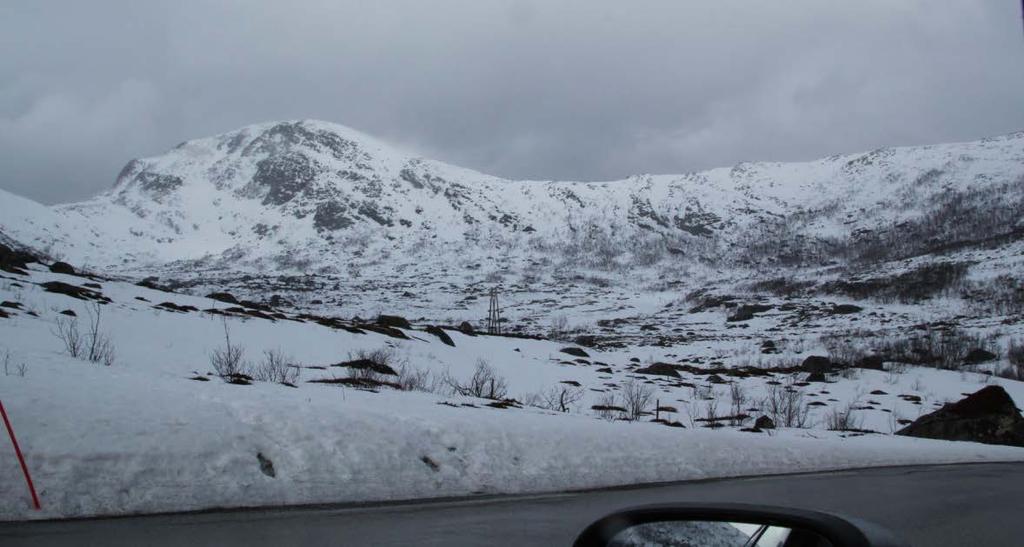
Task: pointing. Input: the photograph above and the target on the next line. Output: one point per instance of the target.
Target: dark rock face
(330, 216)
(659, 369)
(979, 355)
(764, 422)
(62, 268)
(284, 177)
(988, 416)
(817, 363)
(158, 185)
(576, 352)
(394, 321)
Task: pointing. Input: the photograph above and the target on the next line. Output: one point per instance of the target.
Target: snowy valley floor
(143, 435)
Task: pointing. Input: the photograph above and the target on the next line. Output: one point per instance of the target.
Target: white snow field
(142, 436)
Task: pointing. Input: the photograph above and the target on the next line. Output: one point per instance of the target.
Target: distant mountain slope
(311, 196)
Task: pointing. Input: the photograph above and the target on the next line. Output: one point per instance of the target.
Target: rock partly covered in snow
(988, 416)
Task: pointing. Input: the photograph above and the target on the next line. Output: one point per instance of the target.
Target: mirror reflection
(687, 533)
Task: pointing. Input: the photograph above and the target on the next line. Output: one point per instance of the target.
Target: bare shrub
(92, 345)
(945, 349)
(912, 286)
(738, 402)
(66, 329)
(711, 412)
(636, 398)
(277, 367)
(485, 383)
(607, 407)
(785, 405)
(100, 348)
(843, 418)
(227, 361)
(13, 370)
(560, 398)
(1015, 358)
(559, 327)
(411, 378)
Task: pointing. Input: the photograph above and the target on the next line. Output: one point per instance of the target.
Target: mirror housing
(836, 530)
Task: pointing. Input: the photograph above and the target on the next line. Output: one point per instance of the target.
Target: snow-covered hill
(315, 197)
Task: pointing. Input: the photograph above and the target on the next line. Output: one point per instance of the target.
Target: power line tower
(494, 314)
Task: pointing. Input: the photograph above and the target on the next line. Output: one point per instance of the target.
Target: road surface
(958, 505)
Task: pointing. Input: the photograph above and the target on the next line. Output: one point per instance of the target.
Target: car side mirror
(732, 525)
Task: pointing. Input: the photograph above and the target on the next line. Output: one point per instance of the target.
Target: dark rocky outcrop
(845, 309)
(393, 321)
(225, 297)
(74, 291)
(988, 416)
(441, 334)
(368, 364)
(764, 422)
(15, 261)
(467, 328)
(576, 352)
(659, 369)
(816, 377)
(817, 363)
(62, 268)
(746, 312)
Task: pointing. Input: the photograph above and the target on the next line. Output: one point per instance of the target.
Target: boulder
(816, 377)
(467, 328)
(62, 268)
(988, 416)
(764, 422)
(817, 363)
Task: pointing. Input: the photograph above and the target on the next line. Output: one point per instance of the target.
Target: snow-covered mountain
(315, 197)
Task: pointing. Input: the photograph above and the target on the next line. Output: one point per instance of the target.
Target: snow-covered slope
(158, 431)
(315, 197)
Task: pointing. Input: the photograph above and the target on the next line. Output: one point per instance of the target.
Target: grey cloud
(573, 89)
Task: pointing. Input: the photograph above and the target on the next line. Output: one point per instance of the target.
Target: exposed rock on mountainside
(988, 416)
(310, 196)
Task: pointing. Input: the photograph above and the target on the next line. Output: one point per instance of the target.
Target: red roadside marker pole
(21, 459)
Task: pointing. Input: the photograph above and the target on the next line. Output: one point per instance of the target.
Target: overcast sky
(541, 89)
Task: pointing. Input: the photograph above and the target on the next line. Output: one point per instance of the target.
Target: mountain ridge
(307, 195)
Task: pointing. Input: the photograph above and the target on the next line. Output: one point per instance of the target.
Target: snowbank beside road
(103, 447)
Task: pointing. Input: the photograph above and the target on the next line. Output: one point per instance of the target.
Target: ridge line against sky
(522, 89)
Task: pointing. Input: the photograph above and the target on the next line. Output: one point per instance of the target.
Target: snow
(140, 436)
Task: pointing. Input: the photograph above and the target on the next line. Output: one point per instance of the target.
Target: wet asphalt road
(929, 506)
